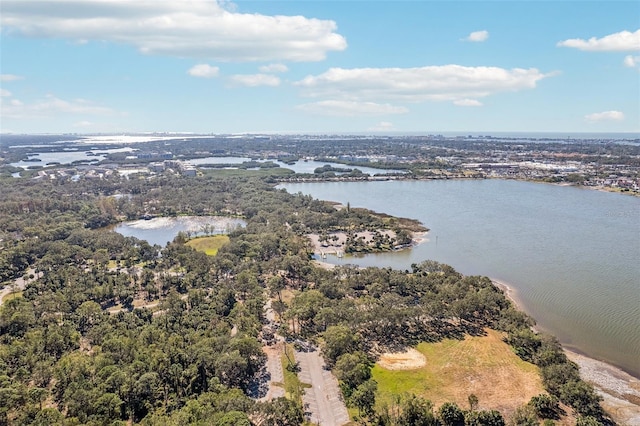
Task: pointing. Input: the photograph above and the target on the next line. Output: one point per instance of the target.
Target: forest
(79, 343)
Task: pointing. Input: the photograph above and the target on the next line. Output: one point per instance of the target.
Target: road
(275, 375)
(19, 284)
(322, 401)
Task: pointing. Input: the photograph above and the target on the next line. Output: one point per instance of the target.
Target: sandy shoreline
(620, 391)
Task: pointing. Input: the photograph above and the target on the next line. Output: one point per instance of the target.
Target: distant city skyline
(389, 67)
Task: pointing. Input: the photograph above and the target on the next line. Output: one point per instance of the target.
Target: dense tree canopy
(111, 329)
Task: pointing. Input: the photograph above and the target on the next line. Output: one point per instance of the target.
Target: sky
(298, 66)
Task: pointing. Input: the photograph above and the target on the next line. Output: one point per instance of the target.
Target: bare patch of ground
(407, 360)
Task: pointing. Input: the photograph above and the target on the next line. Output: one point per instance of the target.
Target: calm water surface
(572, 255)
(311, 165)
(162, 230)
(67, 157)
(298, 166)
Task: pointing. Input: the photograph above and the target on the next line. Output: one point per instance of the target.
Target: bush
(546, 406)
(450, 414)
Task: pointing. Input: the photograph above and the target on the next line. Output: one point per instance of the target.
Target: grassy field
(11, 296)
(209, 245)
(484, 366)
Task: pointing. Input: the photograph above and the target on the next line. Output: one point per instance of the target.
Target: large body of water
(301, 166)
(66, 157)
(572, 255)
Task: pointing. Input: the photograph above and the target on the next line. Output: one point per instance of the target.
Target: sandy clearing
(407, 360)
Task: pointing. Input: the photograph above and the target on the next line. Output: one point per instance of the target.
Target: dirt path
(322, 401)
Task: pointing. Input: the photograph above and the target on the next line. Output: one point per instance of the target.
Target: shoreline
(620, 391)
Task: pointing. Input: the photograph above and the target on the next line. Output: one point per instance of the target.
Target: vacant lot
(209, 245)
(453, 369)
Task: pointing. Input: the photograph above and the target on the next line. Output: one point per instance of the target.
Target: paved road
(323, 402)
(275, 375)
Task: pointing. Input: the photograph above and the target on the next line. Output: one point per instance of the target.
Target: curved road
(18, 285)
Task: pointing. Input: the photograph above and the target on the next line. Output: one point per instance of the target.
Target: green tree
(364, 397)
(484, 418)
(582, 398)
(450, 414)
(416, 411)
(234, 418)
(338, 340)
(546, 406)
(281, 412)
(48, 417)
(587, 421)
(353, 369)
(524, 416)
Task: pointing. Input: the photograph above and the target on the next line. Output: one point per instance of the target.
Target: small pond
(161, 230)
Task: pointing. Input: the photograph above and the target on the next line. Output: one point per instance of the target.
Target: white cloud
(467, 102)
(604, 116)
(382, 127)
(431, 83)
(274, 68)
(255, 80)
(4, 93)
(10, 77)
(341, 108)
(478, 36)
(617, 42)
(204, 71)
(51, 106)
(632, 61)
(205, 29)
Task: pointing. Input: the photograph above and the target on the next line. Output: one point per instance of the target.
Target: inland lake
(570, 255)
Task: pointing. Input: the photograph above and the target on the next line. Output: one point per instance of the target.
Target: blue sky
(116, 66)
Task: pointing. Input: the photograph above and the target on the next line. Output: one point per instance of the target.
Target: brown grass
(454, 369)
